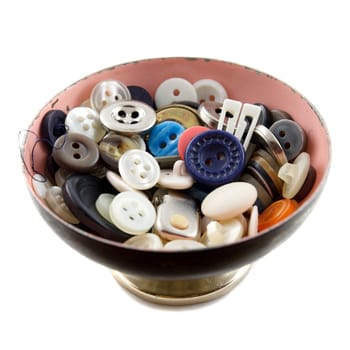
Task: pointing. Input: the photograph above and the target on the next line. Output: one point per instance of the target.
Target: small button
(210, 90)
(177, 218)
(138, 93)
(103, 203)
(182, 114)
(291, 137)
(294, 175)
(85, 121)
(265, 117)
(276, 212)
(209, 113)
(228, 201)
(108, 92)
(253, 221)
(53, 125)
(183, 244)
(75, 152)
(277, 114)
(132, 213)
(55, 201)
(215, 157)
(80, 193)
(265, 138)
(174, 90)
(164, 138)
(177, 178)
(146, 241)
(113, 146)
(307, 186)
(128, 117)
(187, 136)
(139, 169)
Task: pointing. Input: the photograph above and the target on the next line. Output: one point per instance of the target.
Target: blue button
(215, 157)
(52, 126)
(164, 138)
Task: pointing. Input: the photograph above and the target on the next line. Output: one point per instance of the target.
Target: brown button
(182, 114)
(75, 152)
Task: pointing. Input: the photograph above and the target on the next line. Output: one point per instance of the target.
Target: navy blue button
(215, 157)
(52, 126)
(164, 138)
(199, 191)
(80, 193)
(139, 93)
(265, 117)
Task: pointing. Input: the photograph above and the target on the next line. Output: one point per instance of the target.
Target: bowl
(184, 277)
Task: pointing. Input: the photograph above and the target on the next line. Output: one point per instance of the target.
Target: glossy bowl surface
(243, 84)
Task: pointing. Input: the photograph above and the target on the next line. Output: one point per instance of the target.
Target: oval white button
(132, 213)
(228, 201)
(147, 241)
(103, 202)
(183, 244)
(176, 179)
(253, 222)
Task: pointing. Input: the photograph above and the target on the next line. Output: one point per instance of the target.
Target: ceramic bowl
(198, 275)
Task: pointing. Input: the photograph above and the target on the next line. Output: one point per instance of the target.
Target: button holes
(94, 125)
(75, 145)
(162, 144)
(287, 145)
(143, 175)
(141, 214)
(135, 114)
(137, 161)
(107, 93)
(134, 122)
(147, 167)
(220, 156)
(131, 218)
(218, 110)
(211, 98)
(125, 208)
(172, 136)
(90, 116)
(116, 97)
(122, 114)
(228, 115)
(80, 119)
(176, 92)
(86, 127)
(208, 162)
(76, 155)
(282, 133)
(121, 121)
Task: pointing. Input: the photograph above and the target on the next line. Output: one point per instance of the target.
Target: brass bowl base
(182, 292)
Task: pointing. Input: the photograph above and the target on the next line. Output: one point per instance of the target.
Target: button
(187, 136)
(61, 175)
(228, 201)
(174, 90)
(53, 125)
(307, 186)
(182, 114)
(215, 157)
(113, 146)
(128, 117)
(291, 137)
(264, 199)
(103, 203)
(146, 241)
(265, 117)
(41, 185)
(75, 152)
(224, 232)
(267, 156)
(253, 221)
(108, 92)
(276, 212)
(294, 175)
(277, 114)
(199, 191)
(55, 201)
(138, 93)
(265, 138)
(177, 218)
(210, 90)
(164, 138)
(209, 113)
(85, 121)
(80, 193)
(183, 244)
(139, 169)
(177, 178)
(132, 213)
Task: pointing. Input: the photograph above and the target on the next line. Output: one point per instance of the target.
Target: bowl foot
(182, 292)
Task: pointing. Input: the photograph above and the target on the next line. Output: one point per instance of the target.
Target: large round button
(174, 90)
(132, 213)
(164, 138)
(80, 192)
(139, 169)
(107, 92)
(53, 125)
(291, 137)
(210, 90)
(182, 114)
(215, 157)
(75, 152)
(128, 117)
(86, 121)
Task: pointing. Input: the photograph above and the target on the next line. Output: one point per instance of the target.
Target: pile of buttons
(186, 169)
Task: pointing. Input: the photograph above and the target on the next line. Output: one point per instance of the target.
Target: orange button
(276, 212)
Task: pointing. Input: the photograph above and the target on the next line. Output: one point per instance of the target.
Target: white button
(40, 185)
(209, 90)
(183, 244)
(103, 203)
(107, 92)
(139, 169)
(132, 213)
(176, 179)
(174, 90)
(55, 201)
(253, 222)
(224, 232)
(128, 117)
(147, 241)
(139, 141)
(294, 175)
(86, 121)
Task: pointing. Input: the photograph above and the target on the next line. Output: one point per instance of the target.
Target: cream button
(183, 244)
(103, 203)
(228, 201)
(177, 179)
(146, 241)
(253, 222)
(210, 90)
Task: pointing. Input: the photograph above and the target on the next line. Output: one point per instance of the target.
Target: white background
(51, 297)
